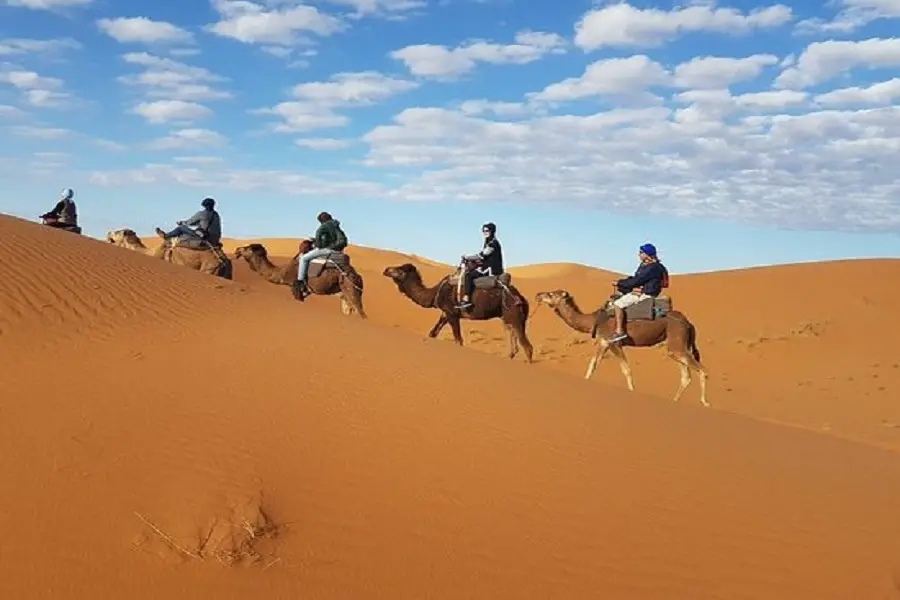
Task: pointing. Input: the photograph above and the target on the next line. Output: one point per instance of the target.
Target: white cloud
(49, 4)
(317, 100)
(714, 72)
(252, 23)
(323, 143)
(164, 78)
(303, 116)
(165, 111)
(37, 90)
(609, 77)
(290, 183)
(500, 109)
(622, 25)
(823, 61)
(188, 138)
(386, 7)
(349, 89)
(40, 132)
(884, 93)
(855, 15)
(773, 100)
(141, 30)
(199, 160)
(428, 60)
(20, 46)
(795, 170)
(11, 112)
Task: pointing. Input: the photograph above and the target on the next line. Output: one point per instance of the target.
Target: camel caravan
(638, 313)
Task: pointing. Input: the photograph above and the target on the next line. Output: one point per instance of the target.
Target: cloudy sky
(729, 134)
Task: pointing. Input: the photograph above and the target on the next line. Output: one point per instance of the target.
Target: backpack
(340, 239)
(664, 282)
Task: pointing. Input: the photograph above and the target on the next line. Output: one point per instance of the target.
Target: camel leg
(519, 329)
(704, 376)
(457, 330)
(352, 297)
(511, 338)
(602, 349)
(687, 362)
(442, 320)
(619, 353)
(346, 309)
(685, 375)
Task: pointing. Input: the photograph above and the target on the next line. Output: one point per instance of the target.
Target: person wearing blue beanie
(648, 282)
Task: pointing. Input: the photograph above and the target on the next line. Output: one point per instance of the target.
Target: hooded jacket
(330, 235)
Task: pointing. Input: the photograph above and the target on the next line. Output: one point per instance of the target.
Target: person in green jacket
(329, 238)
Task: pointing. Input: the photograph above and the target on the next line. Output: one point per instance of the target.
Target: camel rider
(328, 239)
(648, 281)
(490, 261)
(65, 214)
(204, 225)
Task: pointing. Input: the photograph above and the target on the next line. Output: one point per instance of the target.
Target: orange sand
(167, 434)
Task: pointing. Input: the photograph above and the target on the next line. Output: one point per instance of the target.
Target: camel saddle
(486, 282)
(648, 309)
(335, 260)
(197, 243)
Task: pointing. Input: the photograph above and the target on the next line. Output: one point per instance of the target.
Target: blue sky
(729, 134)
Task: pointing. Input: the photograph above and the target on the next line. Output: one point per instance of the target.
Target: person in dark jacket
(328, 239)
(204, 225)
(65, 213)
(647, 282)
(490, 262)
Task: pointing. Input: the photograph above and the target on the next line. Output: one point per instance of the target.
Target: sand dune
(167, 434)
(791, 344)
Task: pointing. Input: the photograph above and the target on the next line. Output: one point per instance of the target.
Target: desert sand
(168, 434)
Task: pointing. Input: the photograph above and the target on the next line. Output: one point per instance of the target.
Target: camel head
(123, 238)
(305, 246)
(246, 252)
(403, 273)
(554, 298)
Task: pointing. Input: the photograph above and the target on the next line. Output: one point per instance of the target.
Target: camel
(507, 304)
(674, 329)
(203, 260)
(329, 276)
(257, 257)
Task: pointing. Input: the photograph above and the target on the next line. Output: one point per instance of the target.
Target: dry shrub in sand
(242, 534)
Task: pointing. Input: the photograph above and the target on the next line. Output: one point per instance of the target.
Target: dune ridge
(288, 451)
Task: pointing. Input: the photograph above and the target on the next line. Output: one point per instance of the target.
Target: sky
(728, 134)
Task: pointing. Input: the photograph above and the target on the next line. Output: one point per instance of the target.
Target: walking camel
(674, 329)
(205, 260)
(257, 257)
(503, 302)
(334, 275)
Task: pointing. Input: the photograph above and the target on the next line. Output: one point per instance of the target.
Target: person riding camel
(328, 239)
(205, 225)
(65, 214)
(489, 261)
(647, 282)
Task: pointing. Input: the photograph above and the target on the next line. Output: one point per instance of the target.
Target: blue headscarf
(649, 250)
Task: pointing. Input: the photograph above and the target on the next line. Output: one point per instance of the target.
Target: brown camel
(257, 257)
(203, 260)
(674, 329)
(507, 304)
(333, 275)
